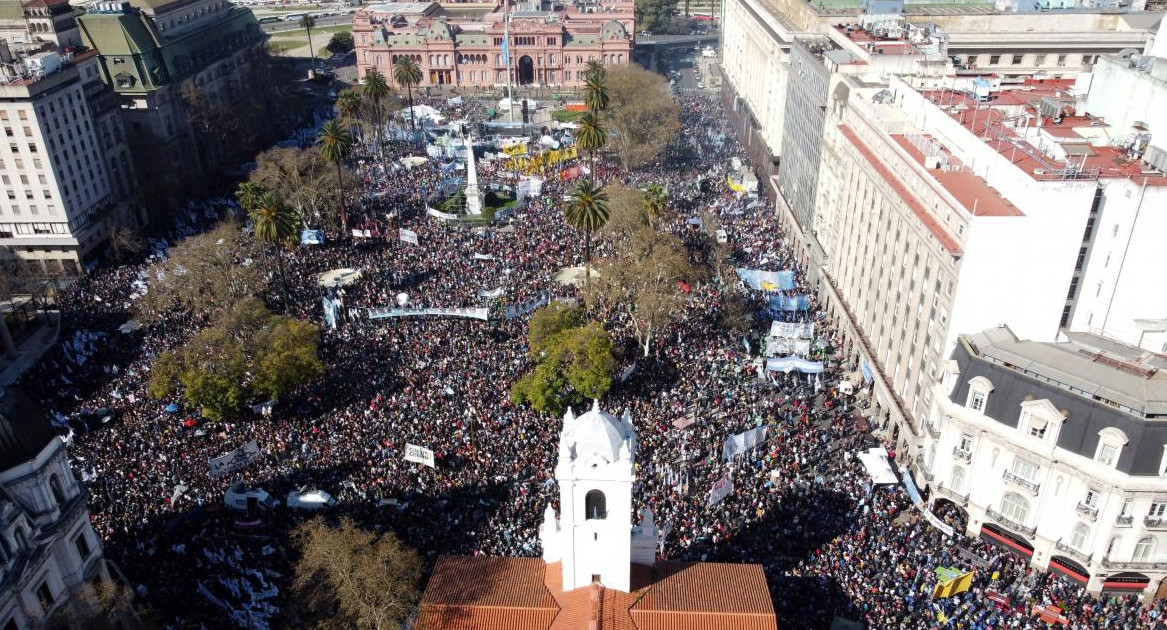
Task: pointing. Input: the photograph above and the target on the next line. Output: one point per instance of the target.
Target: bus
(294, 17)
(269, 19)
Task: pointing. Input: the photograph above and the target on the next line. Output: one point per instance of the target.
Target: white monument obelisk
(473, 195)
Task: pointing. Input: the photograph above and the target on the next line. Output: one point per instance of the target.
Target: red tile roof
(949, 243)
(490, 593)
(979, 198)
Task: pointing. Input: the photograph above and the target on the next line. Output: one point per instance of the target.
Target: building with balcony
(191, 82)
(1057, 451)
(550, 41)
(64, 165)
(47, 546)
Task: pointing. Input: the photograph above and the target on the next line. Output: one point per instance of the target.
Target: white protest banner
(474, 313)
(627, 373)
(743, 442)
(792, 330)
(419, 454)
(720, 490)
(407, 236)
(235, 460)
(493, 293)
(483, 256)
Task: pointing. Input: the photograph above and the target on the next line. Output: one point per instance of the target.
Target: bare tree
(305, 181)
(351, 578)
(125, 243)
(641, 114)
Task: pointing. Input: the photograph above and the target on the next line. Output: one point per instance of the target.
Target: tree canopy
(573, 360)
(341, 42)
(641, 114)
(350, 578)
(305, 181)
(205, 274)
(652, 15)
(248, 353)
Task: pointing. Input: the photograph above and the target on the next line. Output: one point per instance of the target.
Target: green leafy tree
(336, 144)
(407, 74)
(573, 360)
(587, 211)
(591, 136)
(376, 91)
(653, 15)
(341, 43)
(275, 224)
(347, 578)
(308, 23)
(655, 200)
(249, 195)
(594, 70)
(247, 352)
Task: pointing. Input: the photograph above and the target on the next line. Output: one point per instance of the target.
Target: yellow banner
(541, 162)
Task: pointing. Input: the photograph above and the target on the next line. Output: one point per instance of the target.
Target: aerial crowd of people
(831, 543)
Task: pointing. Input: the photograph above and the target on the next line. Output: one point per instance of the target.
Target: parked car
(244, 499)
(308, 498)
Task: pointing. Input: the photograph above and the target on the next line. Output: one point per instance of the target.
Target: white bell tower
(593, 536)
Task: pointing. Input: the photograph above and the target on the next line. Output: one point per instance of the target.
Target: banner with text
(407, 236)
(720, 490)
(419, 454)
(474, 313)
(237, 459)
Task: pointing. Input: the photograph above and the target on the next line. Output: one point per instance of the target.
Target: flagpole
(506, 53)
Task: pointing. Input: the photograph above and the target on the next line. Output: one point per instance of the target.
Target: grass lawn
(282, 46)
(562, 115)
(322, 31)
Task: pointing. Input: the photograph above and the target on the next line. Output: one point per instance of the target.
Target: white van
(238, 497)
(308, 498)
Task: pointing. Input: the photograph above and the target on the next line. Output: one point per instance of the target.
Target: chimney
(594, 607)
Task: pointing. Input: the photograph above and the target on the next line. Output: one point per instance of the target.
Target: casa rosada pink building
(462, 44)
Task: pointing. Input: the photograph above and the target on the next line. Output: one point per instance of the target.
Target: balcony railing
(1134, 566)
(1155, 522)
(954, 496)
(1089, 511)
(1124, 521)
(1022, 482)
(933, 431)
(962, 455)
(1010, 523)
(1073, 553)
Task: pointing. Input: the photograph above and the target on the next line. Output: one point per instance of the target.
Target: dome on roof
(597, 434)
(613, 30)
(25, 429)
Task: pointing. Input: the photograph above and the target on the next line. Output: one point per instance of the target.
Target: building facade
(1057, 452)
(550, 43)
(65, 167)
(191, 82)
(47, 545)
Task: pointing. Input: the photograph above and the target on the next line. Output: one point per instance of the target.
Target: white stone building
(593, 535)
(47, 546)
(1057, 452)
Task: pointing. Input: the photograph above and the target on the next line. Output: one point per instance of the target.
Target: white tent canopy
(875, 461)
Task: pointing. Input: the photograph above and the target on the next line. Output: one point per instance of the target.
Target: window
(55, 488)
(1158, 510)
(1025, 469)
(83, 548)
(1091, 498)
(21, 539)
(977, 401)
(1038, 431)
(1078, 536)
(994, 60)
(1039, 60)
(1144, 549)
(956, 482)
(1110, 443)
(45, 595)
(594, 506)
(1015, 508)
(966, 443)
(1017, 59)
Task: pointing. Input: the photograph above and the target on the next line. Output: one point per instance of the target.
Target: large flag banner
(759, 280)
(952, 582)
(720, 490)
(408, 236)
(792, 330)
(235, 460)
(743, 442)
(419, 454)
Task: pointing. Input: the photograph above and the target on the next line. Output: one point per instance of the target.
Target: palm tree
(248, 195)
(336, 143)
(587, 211)
(595, 93)
(376, 89)
(591, 137)
(349, 107)
(407, 73)
(654, 201)
(307, 22)
(595, 70)
(275, 224)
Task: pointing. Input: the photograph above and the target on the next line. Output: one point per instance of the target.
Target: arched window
(978, 393)
(957, 481)
(21, 539)
(1015, 508)
(1078, 536)
(1110, 443)
(595, 505)
(55, 488)
(1144, 549)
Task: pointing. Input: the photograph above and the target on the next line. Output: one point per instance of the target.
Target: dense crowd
(801, 505)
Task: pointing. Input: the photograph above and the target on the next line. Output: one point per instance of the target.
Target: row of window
(1039, 61)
